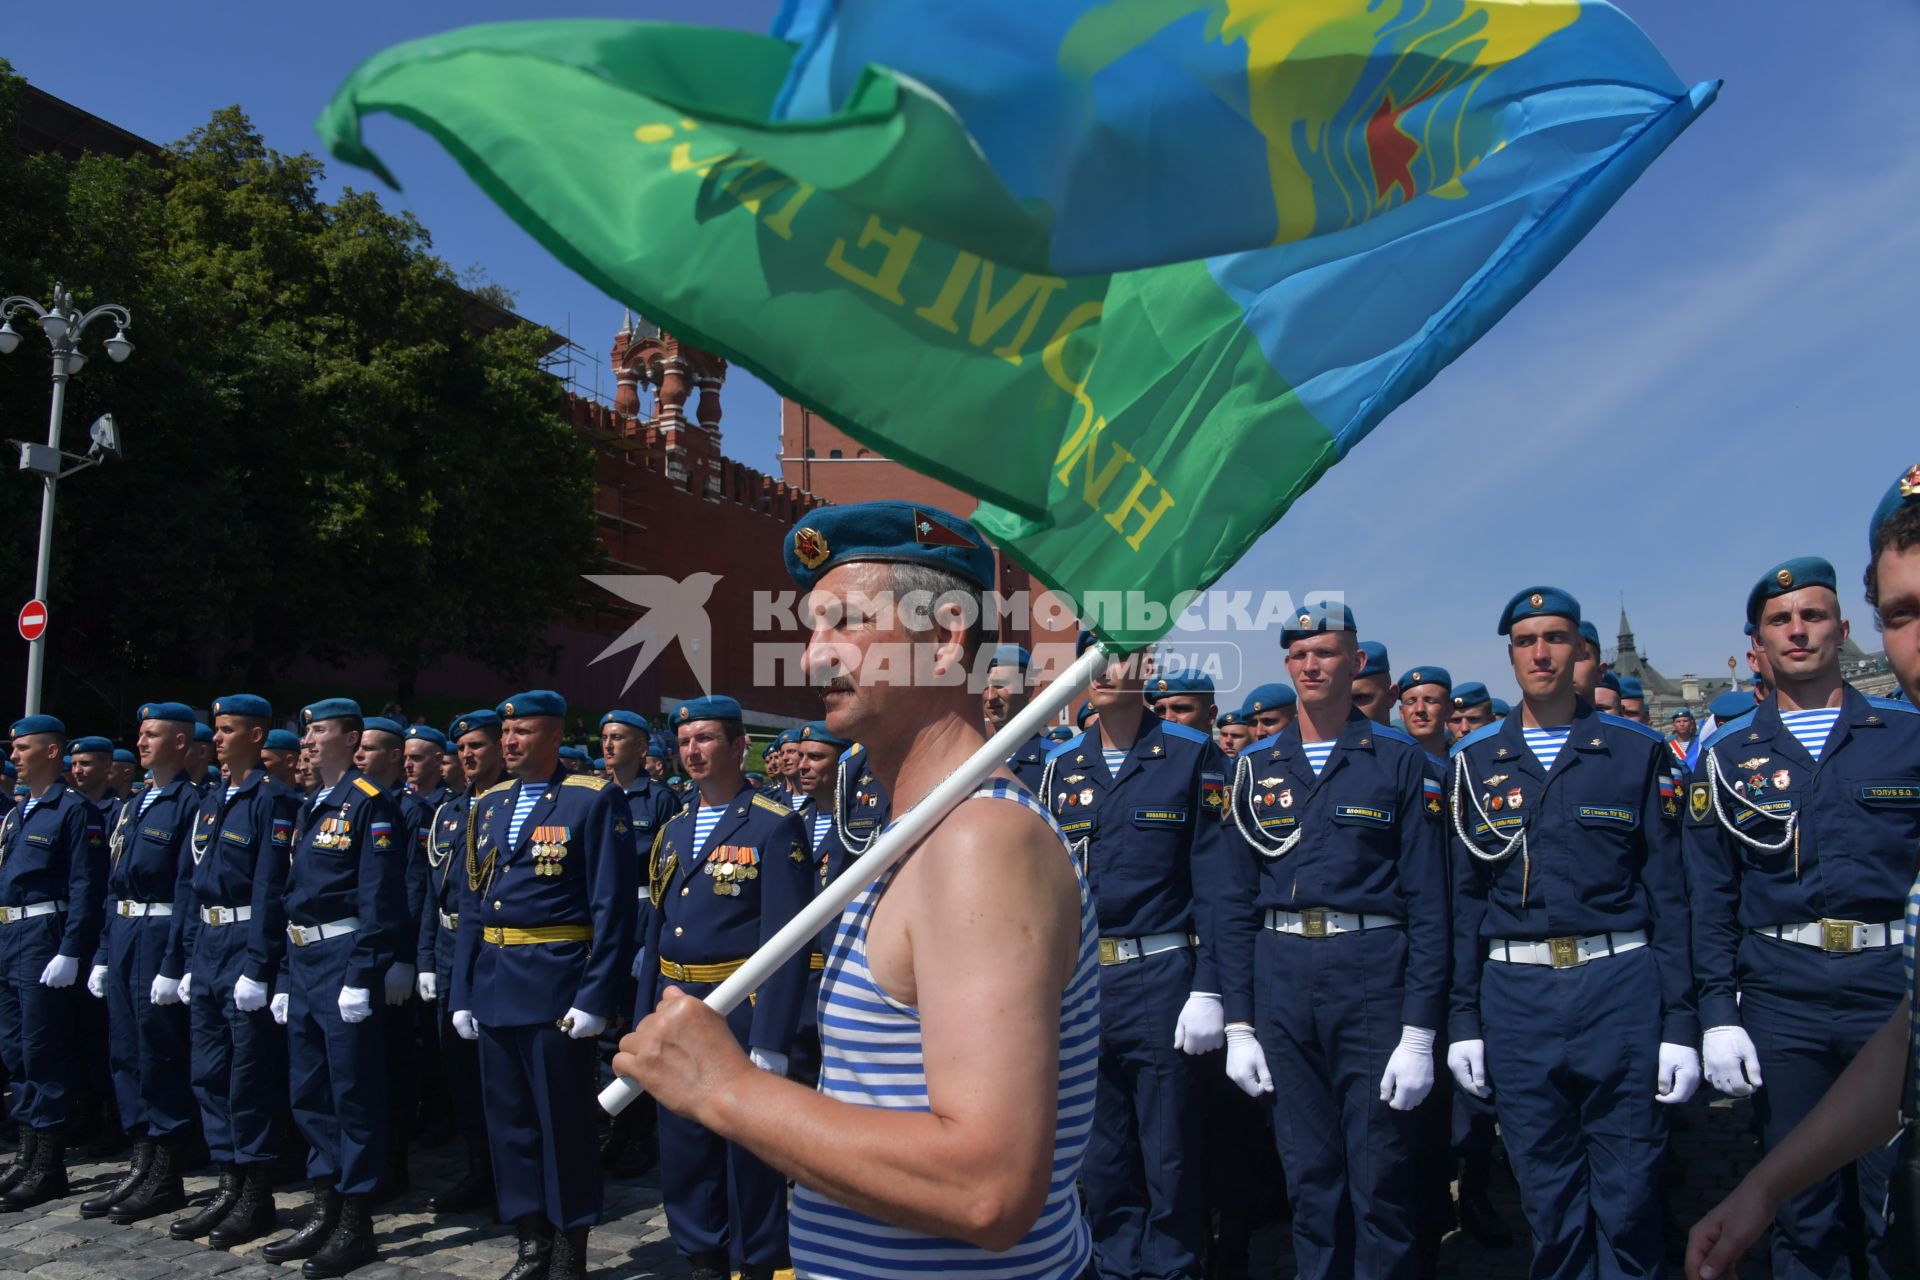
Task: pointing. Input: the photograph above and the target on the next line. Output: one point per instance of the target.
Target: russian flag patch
(283, 830)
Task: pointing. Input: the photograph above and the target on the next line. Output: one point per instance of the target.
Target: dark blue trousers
(148, 1045)
(336, 1070)
(1327, 1011)
(460, 1065)
(1573, 1055)
(720, 1198)
(37, 1024)
(538, 1094)
(239, 1059)
(1809, 1012)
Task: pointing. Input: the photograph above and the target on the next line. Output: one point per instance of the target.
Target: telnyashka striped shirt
(1812, 728)
(1318, 753)
(1546, 743)
(870, 1053)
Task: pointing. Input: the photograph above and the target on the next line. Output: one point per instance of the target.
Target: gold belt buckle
(299, 935)
(125, 908)
(7, 915)
(1109, 951)
(1313, 922)
(1565, 952)
(1840, 935)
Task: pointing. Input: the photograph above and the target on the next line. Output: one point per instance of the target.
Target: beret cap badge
(809, 548)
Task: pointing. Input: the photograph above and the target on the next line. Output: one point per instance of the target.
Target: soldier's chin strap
(1254, 835)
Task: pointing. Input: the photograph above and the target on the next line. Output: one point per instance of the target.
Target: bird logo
(672, 609)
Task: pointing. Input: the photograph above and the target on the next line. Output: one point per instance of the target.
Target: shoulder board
(1186, 731)
(1392, 734)
(1066, 746)
(1621, 722)
(497, 788)
(683, 811)
(771, 806)
(1484, 732)
(1893, 704)
(591, 781)
(366, 786)
(1732, 726)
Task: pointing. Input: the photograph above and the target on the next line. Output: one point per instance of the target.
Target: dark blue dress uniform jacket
(239, 853)
(147, 855)
(58, 853)
(362, 876)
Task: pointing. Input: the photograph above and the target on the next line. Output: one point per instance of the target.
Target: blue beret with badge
(817, 731)
(1269, 697)
(1011, 655)
(383, 724)
(786, 737)
(534, 702)
(1377, 664)
(1085, 714)
(178, 711)
(1731, 705)
(889, 532)
(239, 704)
(1414, 677)
(1903, 492)
(281, 740)
(1315, 619)
(1539, 602)
(1060, 733)
(1500, 708)
(1788, 575)
(426, 733)
(91, 743)
(712, 707)
(1229, 718)
(631, 719)
(1681, 713)
(466, 724)
(123, 756)
(1470, 694)
(202, 731)
(1591, 634)
(1630, 687)
(329, 709)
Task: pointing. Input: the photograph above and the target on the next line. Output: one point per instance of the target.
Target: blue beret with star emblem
(38, 724)
(329, 709)
(889, 532)
(383, 724)
(1788, 575)
(714, 706)
(177, 711)
(630, 719)
(91, 743)
(534, 702)
(1314, 619)
(1903, 492)
(1470, 694)
(817, 731)
(1226, 718)
(239, 704)
(281, 740)
(1085, 713)
(426, 733)
(1269, 697)
(1060, 733)
(466, 724)
(1414, 677)
(1377, 664)
(1194, 682)
(1539, 602)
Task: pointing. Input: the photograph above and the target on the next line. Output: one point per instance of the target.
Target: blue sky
(1717, 379)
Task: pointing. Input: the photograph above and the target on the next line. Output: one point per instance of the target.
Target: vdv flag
(1135, 274)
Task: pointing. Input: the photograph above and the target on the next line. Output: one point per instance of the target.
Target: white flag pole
(907, 830)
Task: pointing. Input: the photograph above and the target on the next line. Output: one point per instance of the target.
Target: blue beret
(1377, 664)
(1681, 711)
(891, 532)
(381, 724)
(786, 737)
(534, 702)
(281, 740)
(66, 762)
(1269, 697)
(239, 704)
(1417, 676)
(1904, 491)
(713, 707)
(39, 724)
(1471, 694)
(600, 762)
(1630, 688)
(656, 750)
(202, 731)
(817, 731)
(1500, 708)
(166, 711)
(1082, 642)
(1610, 681)
(1085, 713)
(1011, 655)
(1732, 704)
(1313, 620)
(466, 724)
(1539, 602)
(1060, 733)
(630, 719)
(91, 743)
(1788, 575)
(1591, 632)
(1226, 718)
(123, 756)
(1195, 682)
(574, 753)
(426, 733)
(329, 709)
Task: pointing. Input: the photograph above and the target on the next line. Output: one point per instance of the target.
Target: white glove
(464, 1025)
(249, 996)
(1733, 1065)
(1679, 1074)
(186, 987)
(583, 1026)
(164, 990)
(768, 1061)
(356, 1004)
(97, 982)
(281, 1002)
(1202, 1025)
(1409, 1075)
(1467, 1060)
(399, 982)
(61, 971)
(428, 985)
(1246, 1062)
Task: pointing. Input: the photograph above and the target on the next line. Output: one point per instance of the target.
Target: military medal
(1286, 798)
(1781, 780)
(1514, 798)
(1499, 803)
(1086, 796)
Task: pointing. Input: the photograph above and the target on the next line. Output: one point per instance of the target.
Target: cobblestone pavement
(55, 1243)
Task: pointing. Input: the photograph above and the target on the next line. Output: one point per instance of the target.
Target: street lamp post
(62, 323)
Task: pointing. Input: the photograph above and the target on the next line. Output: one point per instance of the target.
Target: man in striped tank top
(959, 1008)
(1802, 820)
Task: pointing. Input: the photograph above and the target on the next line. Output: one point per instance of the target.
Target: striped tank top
(871, 1056)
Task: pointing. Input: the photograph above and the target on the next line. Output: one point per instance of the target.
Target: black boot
(569, 1255)
(710, 1266)
(160, 1192)
(1478, 1216)
(22, 1160)
(46, 1180)
(252, 1215)
(350, 1247)
(313, 1233)
(474, 1191)
(99, 1206)
(535, 1249)
(192, 1228)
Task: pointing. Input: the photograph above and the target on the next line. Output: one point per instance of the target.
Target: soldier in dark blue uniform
(1003, 698)
(1141, 800)
(89, 771)
(1589, 667)
(425, 759)
(1633, 700)
(540, 950)
(1893, 578)
(1572, 994)
(816, 766)
(142, 951)
(775, 764)
(1270, 708)
(232, 924)
(476, 735)
(203, 772)
(1373, 689)
(1802, 820)
(1472, 709)
(53, 856)
(120, 777)
(347, 922)
(1335, 939)
(279, 756)
(724, 876)
(861, 809)
(1186, 699)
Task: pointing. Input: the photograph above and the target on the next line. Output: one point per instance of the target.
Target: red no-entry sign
(33, 620)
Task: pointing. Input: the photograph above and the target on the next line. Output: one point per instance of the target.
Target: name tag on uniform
(155, 833)
(34, 837)
(1161, 817)
(1085, 824)
(1606, 813)
(237, 837)
(1890, 792)
(1279, 822)
(1363, 813)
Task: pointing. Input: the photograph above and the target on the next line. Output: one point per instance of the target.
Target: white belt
(305, 935)
(135, 909)
(1839, 935)
(225, 915)
(1566, 953)
(1121, 950)
(1319, 922)
(13, 915)
(450, 921)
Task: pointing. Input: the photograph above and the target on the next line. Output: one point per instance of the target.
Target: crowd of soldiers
(1376, 915)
